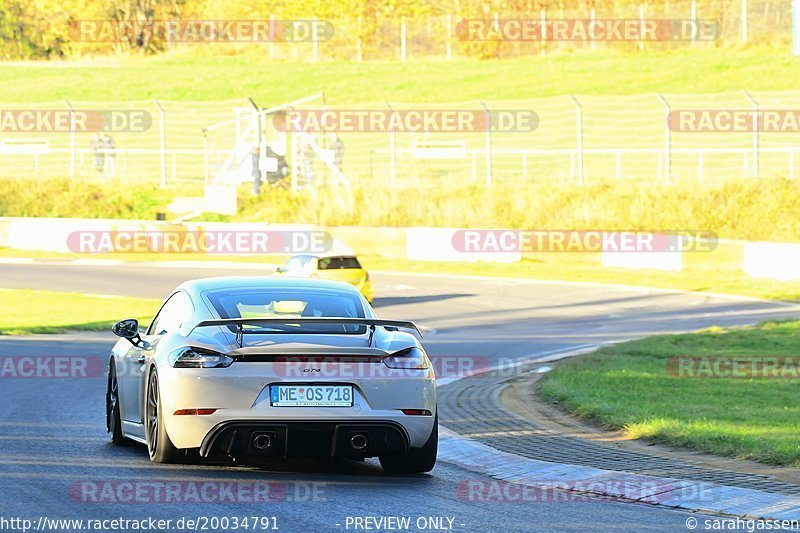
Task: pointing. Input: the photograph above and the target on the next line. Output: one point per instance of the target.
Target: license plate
(311, 395)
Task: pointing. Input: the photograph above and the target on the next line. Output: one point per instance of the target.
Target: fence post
(206, 170)
(73, 141)
(488, 146)
(162, 121)
(756, 163)
(403, 39)
(543, 22)
(667, 138)
(449, 36)
(579, 144)
(296, 157)
(272, 37)
(641, 25)
(796, 26)
(315, 41)
(261, 120)
(693, 16)
(744, 21)
(392, 150)
(359, 41)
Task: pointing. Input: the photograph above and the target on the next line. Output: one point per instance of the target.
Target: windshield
(260, 303)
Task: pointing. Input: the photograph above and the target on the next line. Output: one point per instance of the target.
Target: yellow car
(344, 268)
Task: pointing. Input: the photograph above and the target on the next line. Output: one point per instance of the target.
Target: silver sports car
(249, 368)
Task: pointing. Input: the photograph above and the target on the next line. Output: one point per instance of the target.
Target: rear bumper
(310, 438)
(240, 394)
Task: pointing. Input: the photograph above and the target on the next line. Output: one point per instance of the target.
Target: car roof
(198, 286)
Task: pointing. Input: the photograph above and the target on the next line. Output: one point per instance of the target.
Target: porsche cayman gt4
(255, 368)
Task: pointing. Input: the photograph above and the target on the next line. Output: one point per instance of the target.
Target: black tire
(415, 460)
(159, 446)
(113, 417)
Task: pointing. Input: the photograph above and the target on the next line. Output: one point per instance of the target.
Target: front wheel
(415, 460)
(159, 446)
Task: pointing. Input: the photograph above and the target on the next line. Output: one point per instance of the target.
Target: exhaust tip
(358, 441)
(262, 441)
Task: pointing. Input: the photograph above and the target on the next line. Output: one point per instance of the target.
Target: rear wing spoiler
(241, 322)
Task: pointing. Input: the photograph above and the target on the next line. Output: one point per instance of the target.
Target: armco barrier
(772, 260)
(51, 234)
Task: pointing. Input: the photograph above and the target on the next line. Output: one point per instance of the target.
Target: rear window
(336, 263)
(260, 303)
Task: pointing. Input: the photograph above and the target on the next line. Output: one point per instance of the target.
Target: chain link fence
(578, 139)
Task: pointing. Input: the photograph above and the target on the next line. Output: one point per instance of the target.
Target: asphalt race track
(57, 460)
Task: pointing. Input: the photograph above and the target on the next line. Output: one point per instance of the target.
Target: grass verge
(36, 311)
(748, 209)
(195, 76)
(628, 387)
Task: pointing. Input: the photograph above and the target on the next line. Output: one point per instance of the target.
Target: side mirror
(128, 329)
(280, 270)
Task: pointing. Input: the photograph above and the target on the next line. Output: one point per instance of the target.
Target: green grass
(765, 209)
(36, 311)
(627, 386)
(205, 76)
(62, 198)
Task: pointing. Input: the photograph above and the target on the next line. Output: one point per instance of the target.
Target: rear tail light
(409, 359)
(416, 412)
(184, 412)
(199, 358)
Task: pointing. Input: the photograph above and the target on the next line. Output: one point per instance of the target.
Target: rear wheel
(113, 417)
(415, 460)
(159, 446)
